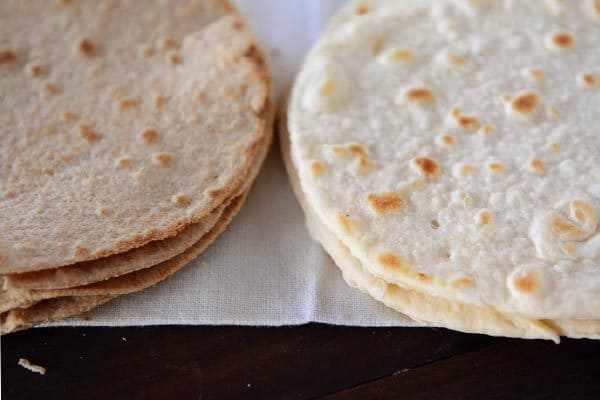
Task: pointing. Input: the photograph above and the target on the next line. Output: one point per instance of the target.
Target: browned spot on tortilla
(7, 57)
(525, 103)
(426, 166)
(564, 226)
(581, 211)
(174, 58)
(466, 169)
(537, 165)
(149, 135)
(536, 74)
(554, 146)
(423, 277)
(385, 202)
(390, 260)
(162, 159)
(563, 40)
(69, 116)
(181, 199)
(526, 284)
(36, 70)
(447, 140)
(589, 79)
(486, 128)
(456, 60)
(495, 167)
(316, 167)
(216, 192)
(401, 54)
(362, 9)
(50, 88)
(466, 122)
(460, 282)
(357, 150)
(345, 221)
(168, 43)
(421, 95)
(484, 218)
(88, 133)
(87, 47)
(128, 103)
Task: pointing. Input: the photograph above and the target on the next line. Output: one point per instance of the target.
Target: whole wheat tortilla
(421, 307)
(48, 311)
(460, 159)
(146, 272)
(135, 281)
(132, 282)
(112, 266)
(53, 305)
(137, 117)
(84, 273)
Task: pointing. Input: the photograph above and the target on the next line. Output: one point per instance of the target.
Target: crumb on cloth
(25, 363)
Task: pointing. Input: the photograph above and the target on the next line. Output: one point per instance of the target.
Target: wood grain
(312, 361)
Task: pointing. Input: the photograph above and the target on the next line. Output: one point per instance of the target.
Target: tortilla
(418, 306)
(133, 260)
(460, 159)
(47, 311)
(112, 266)
(132, 282)
(137, 117)
(426, 309)
(24, 308)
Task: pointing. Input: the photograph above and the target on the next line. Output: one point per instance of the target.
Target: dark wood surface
(313, 361)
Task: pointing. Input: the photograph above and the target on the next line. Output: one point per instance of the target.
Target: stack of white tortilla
(130, 134)
(447, 156)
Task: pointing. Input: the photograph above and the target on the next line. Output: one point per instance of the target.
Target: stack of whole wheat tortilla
(130, 134)
(447, 156)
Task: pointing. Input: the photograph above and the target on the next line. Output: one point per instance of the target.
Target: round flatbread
(417, 305)
(146, 274)
(451, 147)
(126, 122)
(12, 300)
(155, 252)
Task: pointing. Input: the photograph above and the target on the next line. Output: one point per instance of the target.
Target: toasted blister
(559, 42)
(565, 235)
(396, 56)
(499, 149)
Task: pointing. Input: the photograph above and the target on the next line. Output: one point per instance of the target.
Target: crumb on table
(25, 363)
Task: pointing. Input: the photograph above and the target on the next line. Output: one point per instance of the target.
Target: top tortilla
(452, 148)
(126, 122)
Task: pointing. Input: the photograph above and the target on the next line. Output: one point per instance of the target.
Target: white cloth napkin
(264, 269)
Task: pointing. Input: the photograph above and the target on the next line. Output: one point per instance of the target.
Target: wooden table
(307, 362)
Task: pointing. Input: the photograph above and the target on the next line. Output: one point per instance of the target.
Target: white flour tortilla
(418, 144)
(419, 306)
